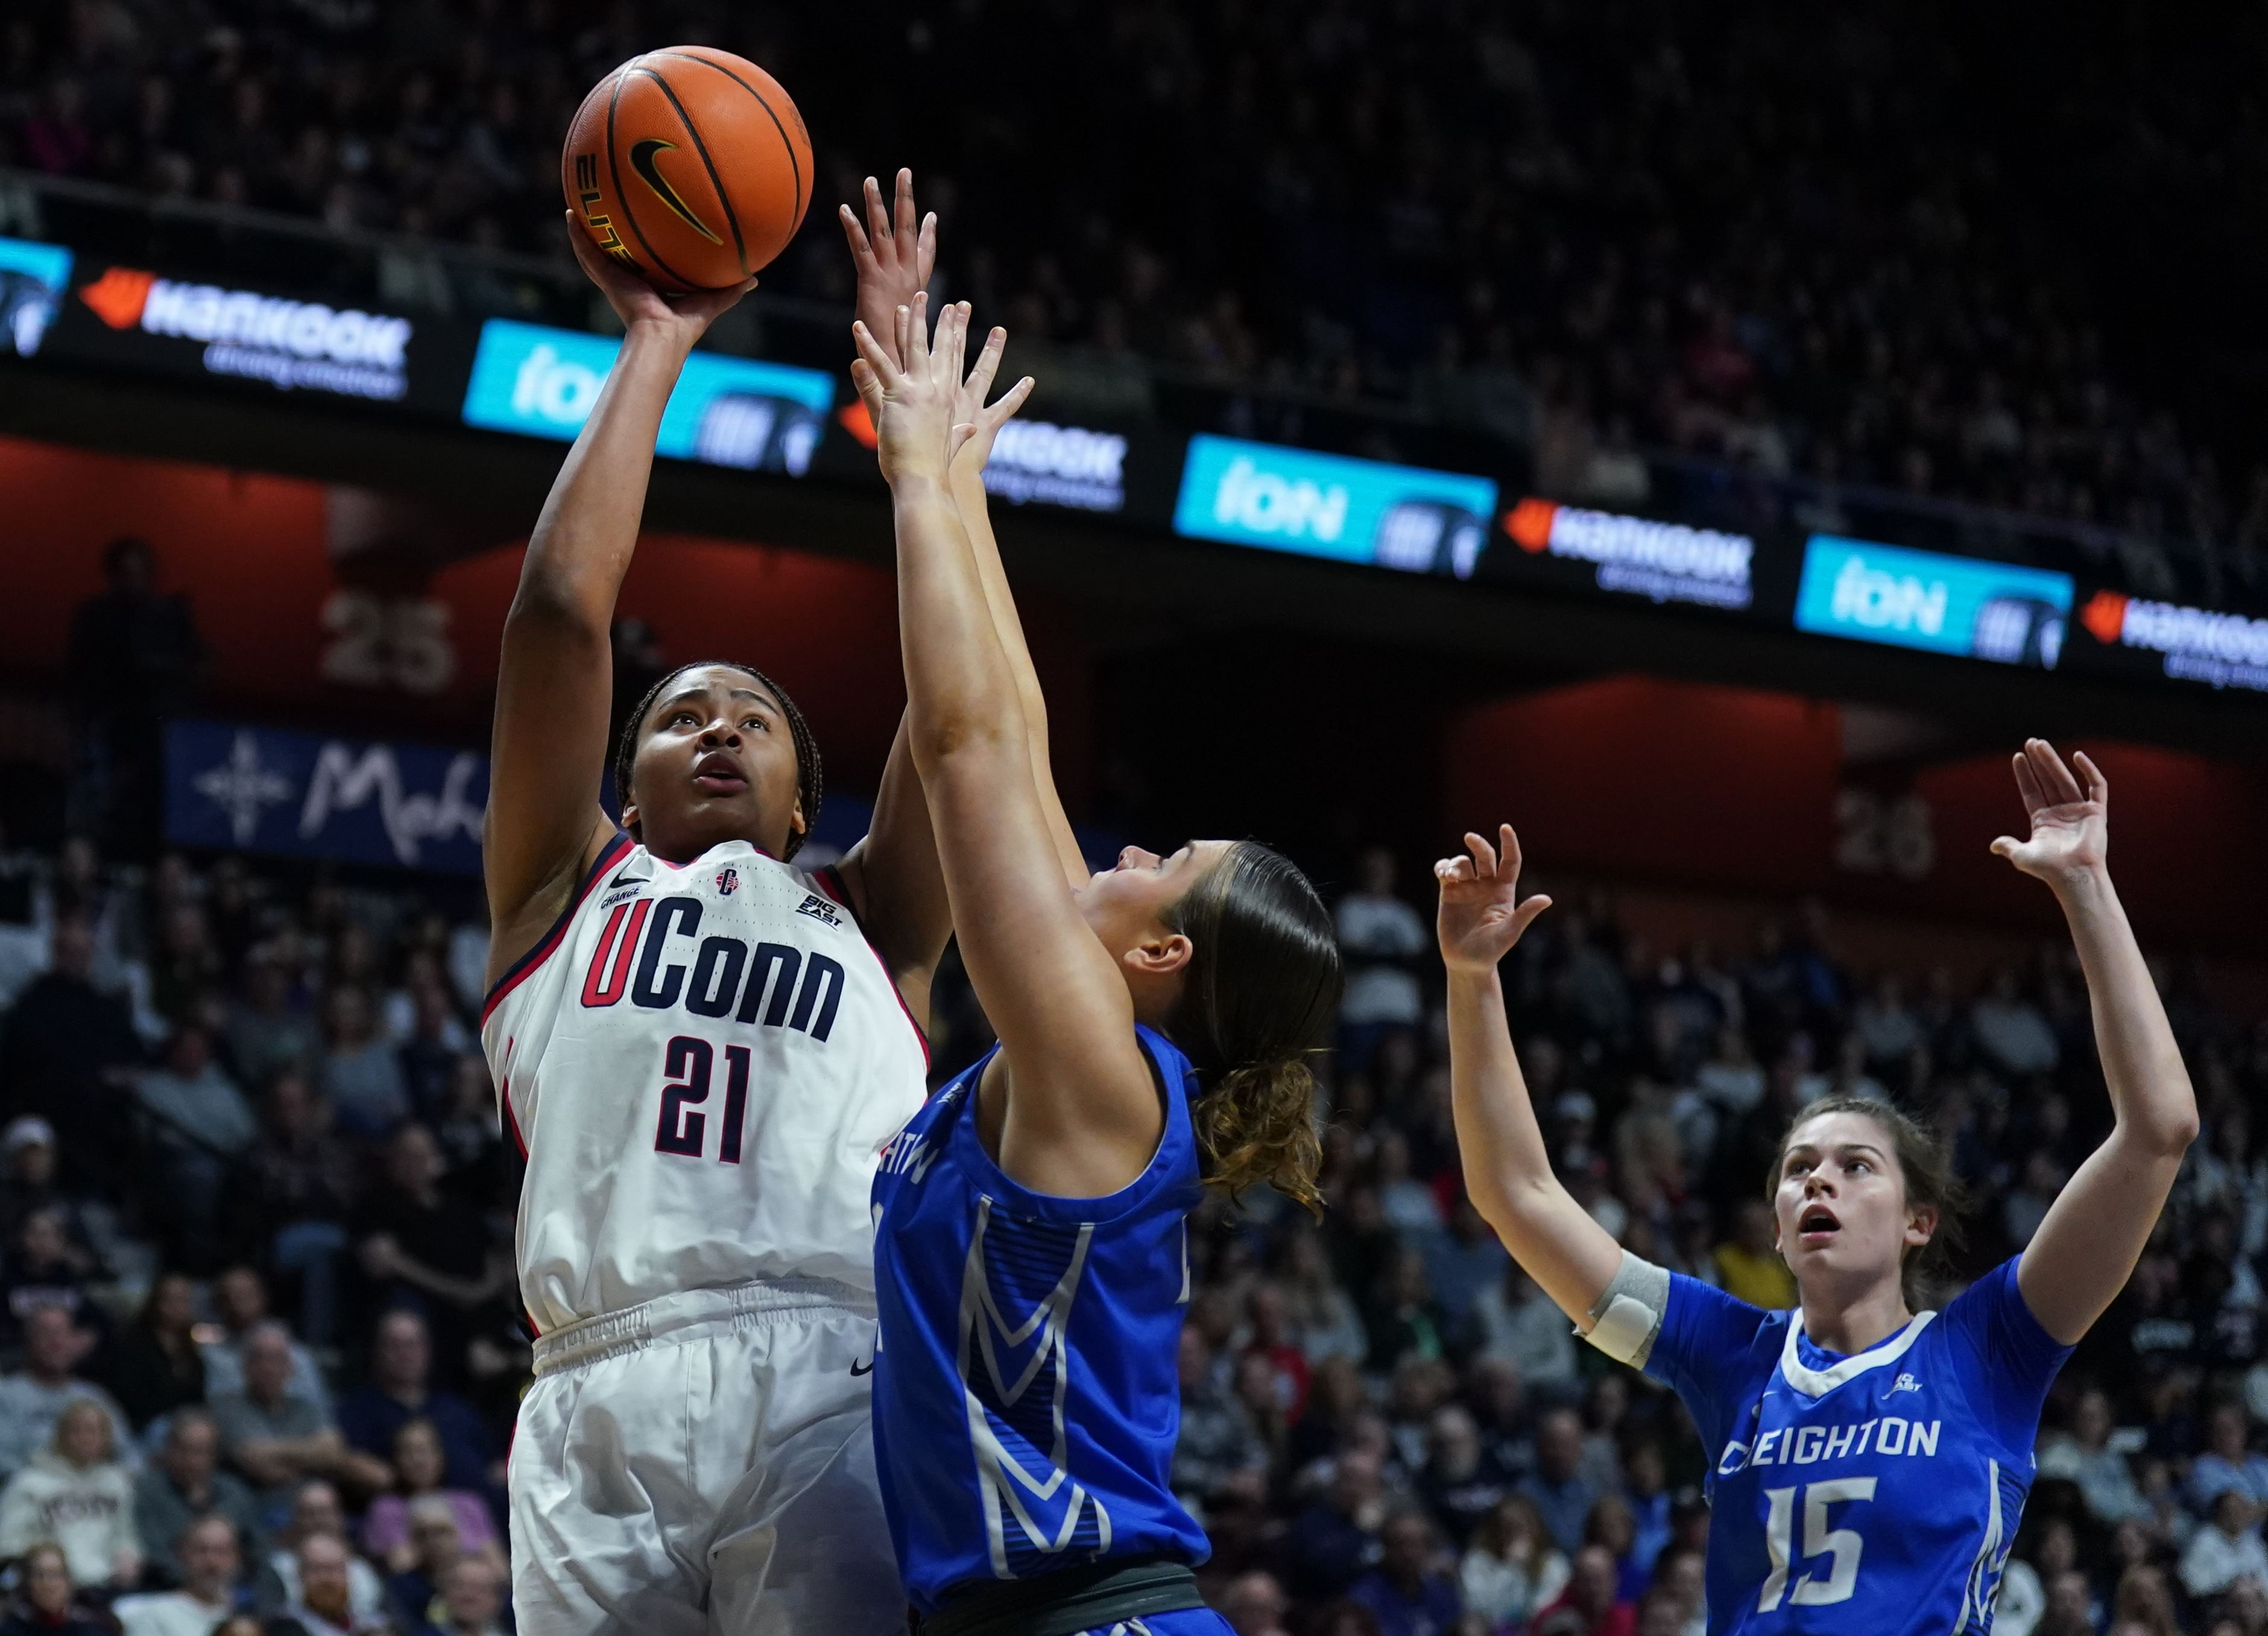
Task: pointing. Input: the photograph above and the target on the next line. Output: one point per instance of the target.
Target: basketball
(690, 165)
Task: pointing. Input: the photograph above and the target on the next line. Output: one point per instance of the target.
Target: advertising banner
(2132, 635)
(1333, 505)
(1966, 606)
(33, 277)
(542, 382)
(305, 795)
(1547, 542)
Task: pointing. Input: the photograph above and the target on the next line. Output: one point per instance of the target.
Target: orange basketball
(690, 165)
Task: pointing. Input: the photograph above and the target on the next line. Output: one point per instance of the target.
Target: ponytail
(1262, 987)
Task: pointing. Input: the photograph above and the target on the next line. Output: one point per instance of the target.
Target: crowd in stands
(1583, 229)
(261, 1353)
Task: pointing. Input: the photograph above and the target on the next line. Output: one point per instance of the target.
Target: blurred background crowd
(260, 1342)
(1858, 247)
(264, 1349)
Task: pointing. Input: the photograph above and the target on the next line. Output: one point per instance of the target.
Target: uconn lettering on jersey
(652, 954)
(1808, 1445)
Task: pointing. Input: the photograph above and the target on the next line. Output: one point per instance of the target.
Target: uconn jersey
(1878, 1491)
(1027, 1392)
(701, 1064)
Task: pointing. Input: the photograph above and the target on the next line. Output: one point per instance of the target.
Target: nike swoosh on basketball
(642, 158)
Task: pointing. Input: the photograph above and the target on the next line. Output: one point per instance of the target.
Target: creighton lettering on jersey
(1896, 1474)
(701, 1064)
(1040, 1337)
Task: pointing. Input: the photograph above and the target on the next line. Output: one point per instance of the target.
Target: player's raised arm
(894, 250)
(1084, 1115)
(554, 686)
(1508, 1169)
(2085, 1249)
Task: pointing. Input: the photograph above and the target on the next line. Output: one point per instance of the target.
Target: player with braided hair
(701, 1048)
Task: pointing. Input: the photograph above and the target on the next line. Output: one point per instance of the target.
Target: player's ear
(1921, 1224)
(630, 816)
(795, 819)
(1160, 954)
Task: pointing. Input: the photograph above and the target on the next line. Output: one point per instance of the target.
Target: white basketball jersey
(701, 1065)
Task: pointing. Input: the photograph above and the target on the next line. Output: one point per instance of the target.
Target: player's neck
(1847, 1321)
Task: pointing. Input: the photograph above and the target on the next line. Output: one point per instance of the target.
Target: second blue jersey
(1878, 1491)
(1026, 1389)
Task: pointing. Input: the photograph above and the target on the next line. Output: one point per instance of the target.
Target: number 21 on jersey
(1841, 1578)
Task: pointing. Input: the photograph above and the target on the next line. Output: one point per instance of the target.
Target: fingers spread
(988, 361)
(1483, 855)
(861, 252)
(871, 354)
(1508, 849)
(904, 225)
(2098, 787)
(925, 248)
(878, 217)
(1450, 869)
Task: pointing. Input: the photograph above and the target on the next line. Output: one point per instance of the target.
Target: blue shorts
(1187, 1622)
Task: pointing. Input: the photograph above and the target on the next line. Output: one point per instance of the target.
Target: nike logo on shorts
(866, 1367)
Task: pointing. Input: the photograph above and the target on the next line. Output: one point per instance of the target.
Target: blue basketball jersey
(1026, 1385)
(1878, 1491)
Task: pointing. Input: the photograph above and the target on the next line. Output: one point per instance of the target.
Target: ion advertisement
(1333, 505)
(542, 382)
(1960, 605)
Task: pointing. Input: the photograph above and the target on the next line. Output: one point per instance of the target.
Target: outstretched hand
(913, 406)
(893, 257)
(683, 318)
(2071, 816)
(1481, 915)
(984, 420)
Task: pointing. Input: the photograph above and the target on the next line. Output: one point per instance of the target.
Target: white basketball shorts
(704, 1463)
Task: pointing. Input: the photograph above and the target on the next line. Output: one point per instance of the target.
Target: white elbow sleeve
(1628, 1313)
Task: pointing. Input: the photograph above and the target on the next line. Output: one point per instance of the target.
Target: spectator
(1404, 1320)
(2228, 1551)
(2227, 1462)
(211, 1584)
(1749, 1265)
(28, 1164)
(1460, 1483)
(185, 1484)
(1323, 1316)
(32, 1398)
(359, 1070)
(1464, 1263)
(1591, 1605)
(154, 1365)
(1335, 1540)
(1517, 1321)
(240, 1301)
(400, 1391)
(134, 654)
(1219, 1444)
(316, 1514)
(304, 1183)
(2026, 1206)
(2010, 1030)
(323, 1604)
(422, 1247)
(472, 1600)
(277, 1439)
(2087, 1455)
(1511, 1570)
(1381, 940)
(1562, 1494)
(433, 1548)
(38, 1269)
(418, 1474)
(1405, 1593)
(2070, 1607)
(268, 1034)
(67, 1050)
(1255, 1605)
(197, 1124)
(75, 1493)
(46, 1602)
(431, 1043)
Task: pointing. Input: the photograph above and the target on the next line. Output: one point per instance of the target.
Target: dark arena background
(1709, 438)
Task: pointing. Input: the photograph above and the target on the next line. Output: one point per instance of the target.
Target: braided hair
(810, 786)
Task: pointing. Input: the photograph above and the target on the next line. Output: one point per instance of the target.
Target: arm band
(1629, 1312)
